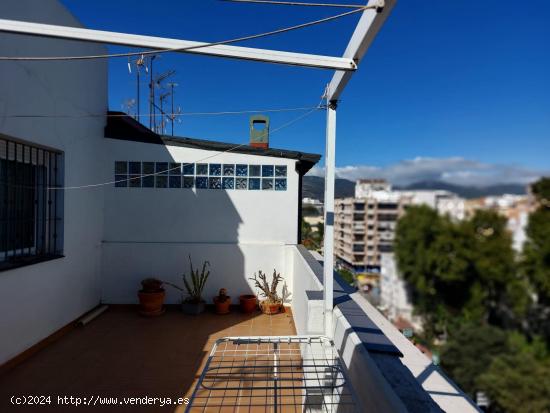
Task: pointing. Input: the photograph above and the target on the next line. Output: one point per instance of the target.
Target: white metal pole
(328, 243)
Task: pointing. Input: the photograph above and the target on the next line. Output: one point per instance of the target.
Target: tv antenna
(173, 114)
(140, 64)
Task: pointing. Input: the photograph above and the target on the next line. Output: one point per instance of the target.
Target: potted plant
(222, 302)
(151, 297)
(194, 303)
(248, 303)
(272, 303)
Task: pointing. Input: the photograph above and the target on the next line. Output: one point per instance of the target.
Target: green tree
(459, 271)
(536, 257)
(469, 351)
(518, 381)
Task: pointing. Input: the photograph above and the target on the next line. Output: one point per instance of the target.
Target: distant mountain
(469, 192)
(314, 187)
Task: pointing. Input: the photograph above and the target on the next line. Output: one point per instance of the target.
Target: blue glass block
(189, 169)
(254, 183)
(188, 182)
(280, 184)
(161, 168)
(134, 168)
(254, 170)
(121, 181)
(201, 183)
(148, 181)
(242, 170)
(121, 167)
(215, 169)
(215, 183)
(161, 181)
(241, 183)
(202, 169)
(267, 184)
(228, 183)
(175, 182)
(228, 170)
(134, 181)
(280, 170)
(148, 168)
(267, 170)
(175, 168)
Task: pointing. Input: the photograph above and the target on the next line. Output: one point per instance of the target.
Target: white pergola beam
(160, 43)
(367, 28)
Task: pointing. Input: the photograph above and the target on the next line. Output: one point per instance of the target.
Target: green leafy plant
(269, 292)
(195, 286)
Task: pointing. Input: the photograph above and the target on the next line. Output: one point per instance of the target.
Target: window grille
(31, 217)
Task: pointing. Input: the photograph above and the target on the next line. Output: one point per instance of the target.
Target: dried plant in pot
(222, 302)
(272, 303)
(151, 297)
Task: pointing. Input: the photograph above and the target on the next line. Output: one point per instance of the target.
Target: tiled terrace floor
(121, 354)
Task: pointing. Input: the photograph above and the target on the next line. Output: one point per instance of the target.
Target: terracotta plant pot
(151, 302)
(248, 303)
(193, 308)
(222, 307)
(270, 308)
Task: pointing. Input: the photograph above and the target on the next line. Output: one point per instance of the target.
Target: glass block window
(135, 168)
(148, 168)
(121, 167)
(241, 183)
(280, 184)
(215, 169)
(161, 168)
(189, 169)
(148, 182)
(188, 182)
(161, 181)
(121, 181)
(175, 168)
(254, 170)
(267, 170)
(215, 183)
(280, 170)
(134, 181)
(135, 174)
(228, 183)
(175, 181)
(267, 184)
(201, 183)
(228, 170)
(242, 170)
(254, 183)
(202, 169)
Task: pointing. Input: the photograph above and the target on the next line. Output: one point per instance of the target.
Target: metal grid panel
(273, 374)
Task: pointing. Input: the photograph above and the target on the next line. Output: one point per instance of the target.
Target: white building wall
(39, 299)
(151, 231)
(393, 290)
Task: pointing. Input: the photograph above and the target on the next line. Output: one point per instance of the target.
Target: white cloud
(454, 170)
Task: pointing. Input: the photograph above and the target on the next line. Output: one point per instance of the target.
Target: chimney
(259, 131)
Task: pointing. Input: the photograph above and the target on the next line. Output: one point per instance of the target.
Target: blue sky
(458, 89)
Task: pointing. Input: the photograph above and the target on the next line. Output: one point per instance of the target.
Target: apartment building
(365, 225)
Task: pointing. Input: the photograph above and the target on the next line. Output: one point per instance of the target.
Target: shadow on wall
(151, 232)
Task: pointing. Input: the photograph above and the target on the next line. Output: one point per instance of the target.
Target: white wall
(37, 300)
(151, 231)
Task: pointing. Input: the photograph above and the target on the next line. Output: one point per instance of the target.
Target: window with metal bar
(31, 213)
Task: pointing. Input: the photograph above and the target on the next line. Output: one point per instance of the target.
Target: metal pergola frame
(370, 22)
